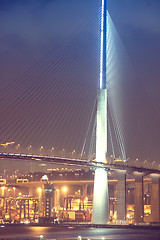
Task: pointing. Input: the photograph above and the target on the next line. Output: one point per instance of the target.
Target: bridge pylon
(100, 193)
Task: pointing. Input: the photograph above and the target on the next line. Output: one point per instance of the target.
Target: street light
(39, 190)
(52, 149)
(64, 189)
(136, 161)
(41, 237)
(41, 149)
(3, 188)
(76, 174)
(63, 152)
(79, 192)
(73, 152)
(145, 162)
(18, 146)
(29, 147)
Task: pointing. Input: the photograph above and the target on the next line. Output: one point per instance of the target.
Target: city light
(6, 144)
(64, 189)
(39, 190)
(41, 148)
(52, 149)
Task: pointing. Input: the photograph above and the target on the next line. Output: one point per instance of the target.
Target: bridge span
(81, 163)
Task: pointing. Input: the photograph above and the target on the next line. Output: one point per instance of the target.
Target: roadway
(81, 163)
(71, 182)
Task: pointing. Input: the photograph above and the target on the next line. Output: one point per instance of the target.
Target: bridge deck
(78, 162)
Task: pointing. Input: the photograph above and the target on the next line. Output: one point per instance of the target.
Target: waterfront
(25, 232)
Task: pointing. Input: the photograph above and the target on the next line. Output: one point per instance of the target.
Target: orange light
(64, 189)
(39, 190)
(8, 143)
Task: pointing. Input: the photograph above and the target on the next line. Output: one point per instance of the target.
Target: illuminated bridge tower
(100, 194)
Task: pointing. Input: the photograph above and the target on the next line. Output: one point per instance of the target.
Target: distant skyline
(29, 29)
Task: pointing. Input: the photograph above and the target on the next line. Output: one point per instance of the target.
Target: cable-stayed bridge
(35, 113)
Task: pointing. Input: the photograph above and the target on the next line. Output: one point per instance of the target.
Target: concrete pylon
(100, 192)
(100, 198)
(138, 199)
(121, 195)
(155, 198)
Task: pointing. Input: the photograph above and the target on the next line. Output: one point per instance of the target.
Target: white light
(102, 33)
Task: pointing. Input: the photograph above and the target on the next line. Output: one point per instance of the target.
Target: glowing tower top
(103, 59)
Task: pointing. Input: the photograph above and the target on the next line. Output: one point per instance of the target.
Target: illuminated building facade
(48, 190)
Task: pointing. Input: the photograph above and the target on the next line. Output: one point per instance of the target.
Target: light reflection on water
(57, 233)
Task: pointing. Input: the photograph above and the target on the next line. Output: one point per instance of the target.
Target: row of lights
(30, 146)
(64, 189)
(5, 145)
